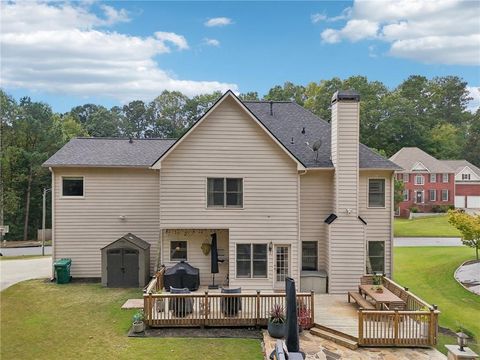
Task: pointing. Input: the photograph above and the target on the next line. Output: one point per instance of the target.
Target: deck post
(205, 309)
(312, 307)
(149, 306)
(395, 328)
(257, 315)
(432, 327)
(360, 326)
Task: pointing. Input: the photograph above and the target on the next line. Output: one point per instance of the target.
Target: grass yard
(84, 321)
(433, 226)
(428, 272)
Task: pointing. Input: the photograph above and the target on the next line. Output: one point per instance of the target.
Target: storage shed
(126, 262)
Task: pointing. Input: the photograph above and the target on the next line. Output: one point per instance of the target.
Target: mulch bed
(212, 332)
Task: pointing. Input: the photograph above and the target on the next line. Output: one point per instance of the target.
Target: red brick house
(467, 184)
(428, 182)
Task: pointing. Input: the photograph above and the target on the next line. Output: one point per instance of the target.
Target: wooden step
(335, 336)
(338, 332)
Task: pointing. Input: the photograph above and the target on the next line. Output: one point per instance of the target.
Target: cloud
(63, 48)
(218, 21)
(316, 18)
(443, 31)
(474, 93)
(211, 42)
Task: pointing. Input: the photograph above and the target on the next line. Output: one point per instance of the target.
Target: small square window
(376, 192)
(72, 186)
(252, 260)
(224, 192)
(178, 250)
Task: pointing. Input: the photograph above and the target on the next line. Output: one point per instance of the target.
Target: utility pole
(44, 212)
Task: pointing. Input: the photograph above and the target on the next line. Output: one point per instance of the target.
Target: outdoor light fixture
(122, 217)
(349, 211)
(270, 246)
(462, 340)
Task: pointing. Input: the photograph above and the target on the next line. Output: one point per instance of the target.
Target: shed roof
(135, 240)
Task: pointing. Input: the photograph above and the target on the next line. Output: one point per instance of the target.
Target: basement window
(72, 186)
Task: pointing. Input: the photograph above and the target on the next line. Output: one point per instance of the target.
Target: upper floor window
(465, 176)
(376, 192)
(433, 178)
(224, 192)
(406, 177)
(72, 186)
(419, 180)
(445, 178)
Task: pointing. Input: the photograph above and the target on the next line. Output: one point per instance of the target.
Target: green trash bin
(62, 270)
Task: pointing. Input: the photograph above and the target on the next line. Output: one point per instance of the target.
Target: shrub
(277, 315)
(414, 209)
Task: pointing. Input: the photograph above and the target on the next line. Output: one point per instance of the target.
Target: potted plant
(377, 283)
(159, 303)
(276, 322)
(138, 325)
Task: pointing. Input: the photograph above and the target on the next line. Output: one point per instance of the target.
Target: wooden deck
(334, 311)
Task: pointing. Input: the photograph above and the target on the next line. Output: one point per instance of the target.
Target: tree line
(428, 113)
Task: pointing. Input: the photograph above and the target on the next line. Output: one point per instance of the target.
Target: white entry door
(282, 265)
(459, 201)
(473, 202)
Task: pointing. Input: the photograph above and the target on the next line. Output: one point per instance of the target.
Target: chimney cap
(341, 95)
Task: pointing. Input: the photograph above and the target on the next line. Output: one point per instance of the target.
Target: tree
(471, 150)
(134, 119)
(399, 186)
(469, 226)
(319, 97)
(287, 92)
(445, 142)
(167, 115)
(249, 96)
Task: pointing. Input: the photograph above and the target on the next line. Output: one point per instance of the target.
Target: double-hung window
(433, 178)
(72, 186)
(444, 195)
(432, 195)
(419, 179)
(406, 177)
(376, 257)
(445, 178)
(405, 195)
(309, 255)
(376, 193)
(252, 260)
(225, 192)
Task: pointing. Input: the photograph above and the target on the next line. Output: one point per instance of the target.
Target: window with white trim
(178, 250)
(224, 192)
(309, 255)
(72, 186)
(445, 178)
(405, 195)
(376, 257)
(432, 195)
(465, 176)
(419, 179)
(433, 178)
(376, 193)
(444, 195)
(406, 177)
(252, 260)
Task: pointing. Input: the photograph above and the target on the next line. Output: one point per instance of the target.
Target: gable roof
(459, 165)
(135, 240)
(109, 152)
(408, 157)
(286, 124)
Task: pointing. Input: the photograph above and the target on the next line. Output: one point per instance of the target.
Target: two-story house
(286, 192)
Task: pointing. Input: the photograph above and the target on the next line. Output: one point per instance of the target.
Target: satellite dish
(316, 145)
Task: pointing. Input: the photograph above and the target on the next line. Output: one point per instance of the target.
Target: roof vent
(292, 142)
(271, 108)
(303, 130)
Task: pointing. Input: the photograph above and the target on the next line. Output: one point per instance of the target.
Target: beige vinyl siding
(379, 220)
(230, 144)
(195, 255)
(82, 226)
(316, 203)
(347, 233)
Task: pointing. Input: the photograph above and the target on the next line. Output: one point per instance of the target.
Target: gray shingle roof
(408, 157)
(286, 124)
(109, 152)
(458, 165)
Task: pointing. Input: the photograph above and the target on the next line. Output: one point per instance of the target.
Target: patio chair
(181, 307)
(230, 306)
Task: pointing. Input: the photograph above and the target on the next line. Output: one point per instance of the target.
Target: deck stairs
(336, 336)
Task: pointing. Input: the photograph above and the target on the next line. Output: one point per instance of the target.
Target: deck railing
(416, 326)
(218, 309)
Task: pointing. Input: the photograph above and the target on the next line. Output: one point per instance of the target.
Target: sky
(110, 53)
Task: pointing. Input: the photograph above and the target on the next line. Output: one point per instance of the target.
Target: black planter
(276, 330)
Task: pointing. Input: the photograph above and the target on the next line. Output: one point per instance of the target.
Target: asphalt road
(35, 250)
(14, 271)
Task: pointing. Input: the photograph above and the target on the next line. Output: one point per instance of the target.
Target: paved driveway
(14, 271)
(426, 241)
(20, 251)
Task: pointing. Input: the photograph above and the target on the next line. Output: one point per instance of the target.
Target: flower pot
(138, 327)
(276, 330)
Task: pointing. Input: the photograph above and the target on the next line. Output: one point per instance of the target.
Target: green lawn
(428, 272)
(84, 321)
(433, 226)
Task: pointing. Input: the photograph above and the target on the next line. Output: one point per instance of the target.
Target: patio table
(385, 297)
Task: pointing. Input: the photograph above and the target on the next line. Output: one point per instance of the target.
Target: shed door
(122, 268)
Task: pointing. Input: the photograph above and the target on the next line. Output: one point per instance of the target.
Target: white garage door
(473, 202)
(459, 201)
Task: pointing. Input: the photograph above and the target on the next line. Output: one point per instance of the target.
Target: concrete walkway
(23, 251)
(426, 241)
(14, 271)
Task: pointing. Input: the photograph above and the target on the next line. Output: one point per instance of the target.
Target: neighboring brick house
(428, 182)
(467, 183)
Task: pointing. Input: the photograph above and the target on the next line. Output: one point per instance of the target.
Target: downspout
(392, 211)
(299, 241)
(53, 194)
